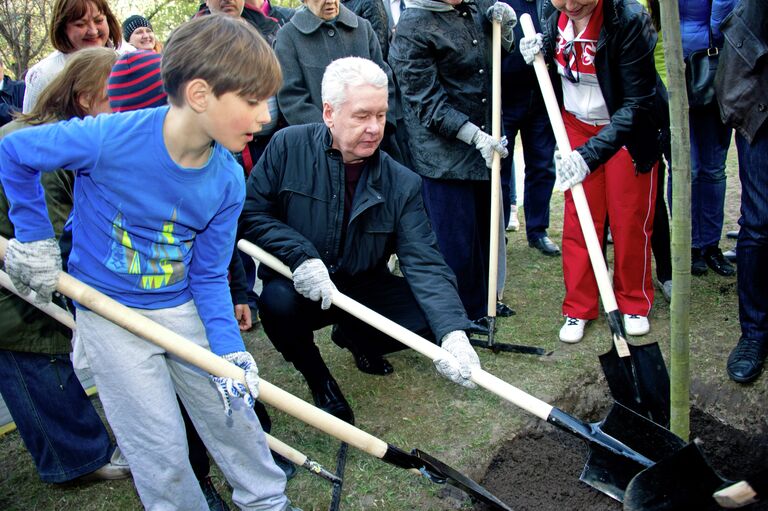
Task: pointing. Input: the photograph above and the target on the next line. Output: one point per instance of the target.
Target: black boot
(698, 264)
(714, 258)
(370, 363)
(745, 363)
(328, 397)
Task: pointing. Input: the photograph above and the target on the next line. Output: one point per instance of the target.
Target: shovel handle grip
(579, 198)
(410, 339)
(206, 360)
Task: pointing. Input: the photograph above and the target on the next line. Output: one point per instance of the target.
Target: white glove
(229, 388)
(573, 169)
(483, 142)
(458, 368)
(34, 266)
(311, 280)
(530, 46)
(505, 15)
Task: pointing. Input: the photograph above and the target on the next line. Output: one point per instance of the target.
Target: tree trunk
(681, 221)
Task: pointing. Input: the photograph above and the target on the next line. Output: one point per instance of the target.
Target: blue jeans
(710, 140)
(528, 116)
(753, 236)
(54, 416)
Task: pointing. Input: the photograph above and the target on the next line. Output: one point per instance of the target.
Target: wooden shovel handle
(197, 355)
(410, 339)
(580, 200)
(493, 250)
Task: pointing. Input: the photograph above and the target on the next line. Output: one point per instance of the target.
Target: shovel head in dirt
(680, 482)
(637, 377)
(438, 472)
(620, 446)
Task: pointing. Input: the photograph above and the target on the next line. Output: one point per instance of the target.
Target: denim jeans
(55, 418)
(528, 116)
(710, 140)
(753, 236)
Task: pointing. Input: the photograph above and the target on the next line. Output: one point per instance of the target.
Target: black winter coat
(295, 205)
(633, 92)
(11, 99)
(742, 75)
(374, 12)
(441, 61)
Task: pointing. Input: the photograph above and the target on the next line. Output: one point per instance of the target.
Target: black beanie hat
(132, 23)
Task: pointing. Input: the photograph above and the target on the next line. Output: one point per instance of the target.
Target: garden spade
(686, 481)
(620, 446)
(636, 375)
(419, 462)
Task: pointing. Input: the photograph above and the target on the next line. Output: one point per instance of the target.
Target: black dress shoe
(287, 466)
(372, 364)
(714, 258)
(734, 235)
(730, 255)
(328, 397)
(698, 264)
(479, 326)
(546, 246)
(503, 310)
(745, 363)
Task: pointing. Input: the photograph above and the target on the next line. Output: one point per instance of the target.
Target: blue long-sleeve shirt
(147, 232)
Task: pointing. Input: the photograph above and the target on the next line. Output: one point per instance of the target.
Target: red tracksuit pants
(615, 191)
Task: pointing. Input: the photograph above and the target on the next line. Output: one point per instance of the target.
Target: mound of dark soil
(539, 469)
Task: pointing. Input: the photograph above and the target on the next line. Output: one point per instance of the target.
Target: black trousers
(289, 319)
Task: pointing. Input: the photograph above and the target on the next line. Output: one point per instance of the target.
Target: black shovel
(636, 375)
(421, 463)
(686, 481)
(621, 445)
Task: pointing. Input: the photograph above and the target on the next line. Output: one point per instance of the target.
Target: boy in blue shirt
(157, 197)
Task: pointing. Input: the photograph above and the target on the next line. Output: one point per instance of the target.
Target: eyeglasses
(569, 50)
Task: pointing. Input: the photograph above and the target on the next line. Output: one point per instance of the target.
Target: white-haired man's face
(358, 125)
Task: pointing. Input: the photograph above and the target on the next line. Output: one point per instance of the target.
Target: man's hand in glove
(506, 16)
(483, 142)
(34, 266)
(311, 280)
(530, 46)
(573, 169)
(458, 368)
(229, 388)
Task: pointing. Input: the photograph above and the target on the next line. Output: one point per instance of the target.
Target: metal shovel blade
(438, 472)
(644, 442)
(638, 379)
(682, 481)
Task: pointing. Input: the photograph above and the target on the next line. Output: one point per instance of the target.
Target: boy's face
(90, 30)
(358, 126)
(232, 120)
(232, 8)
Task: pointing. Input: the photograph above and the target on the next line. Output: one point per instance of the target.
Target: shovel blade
(683, 480)
(647, 442)
(639, 381)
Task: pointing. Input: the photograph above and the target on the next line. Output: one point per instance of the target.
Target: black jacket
(742, 75)
(11, 99)
(633, 92)
(294, 208)
(374, 12)
(441, 61)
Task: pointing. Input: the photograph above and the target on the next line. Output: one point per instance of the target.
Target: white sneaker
(573, 330)
(635, 324)
(514, 223)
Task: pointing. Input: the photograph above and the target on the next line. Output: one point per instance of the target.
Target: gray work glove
(505, 15)
(229, 388)
(530, 46)
(34, 266)
(311, 280)
(458, 368)
(573, 169)
(483, 142)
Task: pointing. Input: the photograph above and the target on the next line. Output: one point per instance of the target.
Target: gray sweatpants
(138, 383)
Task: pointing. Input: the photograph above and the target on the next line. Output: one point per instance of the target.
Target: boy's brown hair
(66, 11)
(85, 73)
(226, 52)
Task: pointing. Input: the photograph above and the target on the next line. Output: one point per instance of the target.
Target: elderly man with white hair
(333, 207)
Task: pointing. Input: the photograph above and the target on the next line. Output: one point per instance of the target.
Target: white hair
(350, 72)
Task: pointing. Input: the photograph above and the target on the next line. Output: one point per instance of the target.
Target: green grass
(415, 408)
